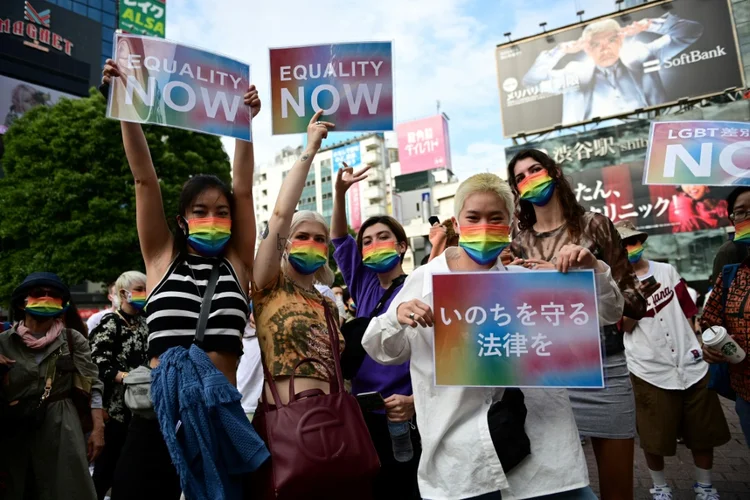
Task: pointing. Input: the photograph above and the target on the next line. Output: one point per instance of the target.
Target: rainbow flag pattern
(634, 252)
(517, 329)
(307, 256)
(44, 306)
(138, 299)
(484, 242)
(208, 236)
(381, 257)
(537, 188)
(742, 232)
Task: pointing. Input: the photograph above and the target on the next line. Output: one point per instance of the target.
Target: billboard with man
(613, 66)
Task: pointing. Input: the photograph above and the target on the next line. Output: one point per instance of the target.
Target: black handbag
(506, 420)
(354, 330)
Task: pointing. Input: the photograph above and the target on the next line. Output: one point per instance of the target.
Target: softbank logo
(685, 58)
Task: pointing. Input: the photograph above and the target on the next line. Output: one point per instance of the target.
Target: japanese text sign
(170, 84)
(423, 144)
(517, 329)
(351, 82)
(349, 154)
(143, 17)
(709, 153)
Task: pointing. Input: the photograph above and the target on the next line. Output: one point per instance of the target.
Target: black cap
(34, 280)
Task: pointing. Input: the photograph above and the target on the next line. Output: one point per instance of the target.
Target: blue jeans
(579, 494)
(742, 408)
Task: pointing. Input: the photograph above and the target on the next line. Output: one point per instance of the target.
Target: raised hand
(347, 177)
(573, 47)
(317, 130)
(438, 234)
(251, 99)
(110, 70)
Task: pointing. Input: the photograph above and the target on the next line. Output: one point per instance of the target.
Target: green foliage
(68, 200)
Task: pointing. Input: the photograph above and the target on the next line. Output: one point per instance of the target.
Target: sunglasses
(38, 293)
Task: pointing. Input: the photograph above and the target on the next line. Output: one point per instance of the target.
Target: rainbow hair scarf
(45, 306)
(381, 257)
(208, 236)
(307, 256)
(484, 242)
(635, 252)
(742, 232)
(137, 300)
(537, 188)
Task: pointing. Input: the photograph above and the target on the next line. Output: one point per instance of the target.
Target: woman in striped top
(213, 223)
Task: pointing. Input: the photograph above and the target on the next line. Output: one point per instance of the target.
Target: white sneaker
(662, 493)
(703, 493)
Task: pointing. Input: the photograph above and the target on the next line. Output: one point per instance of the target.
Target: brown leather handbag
(319, 443)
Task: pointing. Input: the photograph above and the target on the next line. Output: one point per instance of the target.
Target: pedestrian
(669, 376)
(44, 452)
(549, 219)
(118, 346)
(463, 453)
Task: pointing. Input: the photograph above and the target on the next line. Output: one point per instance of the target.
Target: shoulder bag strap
(387, 295)
(335, 347)
(200, 330)
(69, 338)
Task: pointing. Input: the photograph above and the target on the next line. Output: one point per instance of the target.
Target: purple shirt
(366, 291)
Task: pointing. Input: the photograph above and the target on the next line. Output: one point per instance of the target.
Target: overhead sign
(18, 97)
(350, 154)
(143, 17)
(36, 29)
(699, 152)
(517, 329)
(612, 66)
(351, 82)
(423, 144)
(167, 83)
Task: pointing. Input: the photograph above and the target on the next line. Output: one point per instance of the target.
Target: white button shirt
(458, 458)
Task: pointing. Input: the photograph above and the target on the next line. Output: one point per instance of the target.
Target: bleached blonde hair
(128, 280)
(483, 183)
(604, 26)
(324, 275)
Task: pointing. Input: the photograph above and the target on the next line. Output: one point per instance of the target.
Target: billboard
(18, 97)
(615, 65)
(349, 154)
(143, 17)
(423, 144)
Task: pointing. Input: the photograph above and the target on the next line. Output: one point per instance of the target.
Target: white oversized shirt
(663, 349)
(458, 458)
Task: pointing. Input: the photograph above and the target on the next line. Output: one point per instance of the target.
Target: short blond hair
(126, 281)
(605, 26)
(324, 275)
(483, 183)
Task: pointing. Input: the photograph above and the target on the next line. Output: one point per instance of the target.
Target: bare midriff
(225, 362)
(300, 384)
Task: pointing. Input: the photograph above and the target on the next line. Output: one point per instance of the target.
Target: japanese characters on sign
(143, 17)
(423, 144)
(524, 329)
(349, 154)
(710, 153)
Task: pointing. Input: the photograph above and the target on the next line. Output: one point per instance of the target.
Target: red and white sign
(423, 144)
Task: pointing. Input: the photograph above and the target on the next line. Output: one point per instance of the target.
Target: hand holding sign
(251, 99)
(347, 177)
(415, 312)
(575, 256)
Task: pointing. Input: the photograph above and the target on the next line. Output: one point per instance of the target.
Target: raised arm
(345, 178)
(243, 227)
(268, 259)
(153, 232)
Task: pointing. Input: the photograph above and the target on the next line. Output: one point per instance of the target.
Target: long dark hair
(396, 228)
(190, 191)
(572, 210)
(72, 319)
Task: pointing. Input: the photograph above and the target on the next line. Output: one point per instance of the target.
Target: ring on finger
(411, 316)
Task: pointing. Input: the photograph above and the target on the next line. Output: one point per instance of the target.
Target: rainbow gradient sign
(166, 83)
(351, 82)
(708, 153)
(517, 329)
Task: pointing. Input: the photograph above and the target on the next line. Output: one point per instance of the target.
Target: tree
(67, 199)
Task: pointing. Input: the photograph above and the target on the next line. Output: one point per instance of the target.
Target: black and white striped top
(173, 307)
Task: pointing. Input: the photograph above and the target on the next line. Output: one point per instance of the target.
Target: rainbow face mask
(742, 232)
(208, 236)
(307, 256)
(484, 242)
(381, 256)
(634, 252)
(137, 300)
(47, 307)
(537, 188)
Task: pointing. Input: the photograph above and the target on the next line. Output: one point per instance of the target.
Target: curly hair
(572, 210)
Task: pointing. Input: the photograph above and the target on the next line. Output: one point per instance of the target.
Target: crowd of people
(209, 374)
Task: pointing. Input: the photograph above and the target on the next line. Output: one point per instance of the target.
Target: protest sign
(709, 153)
(167, 83)
(517, 329)
(351, 82)
(143, 17)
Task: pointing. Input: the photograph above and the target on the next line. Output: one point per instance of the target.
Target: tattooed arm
(268, 259)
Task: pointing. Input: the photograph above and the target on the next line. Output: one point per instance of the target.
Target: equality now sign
(351, 82)
(167, 83)
(709, 153)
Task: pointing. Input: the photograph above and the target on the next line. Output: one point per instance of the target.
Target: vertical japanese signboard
(423, 144)
(524, 329)
(352, 156)
(143, 17)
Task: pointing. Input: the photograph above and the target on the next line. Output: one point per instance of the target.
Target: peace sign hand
(317, 130)
(347, 177)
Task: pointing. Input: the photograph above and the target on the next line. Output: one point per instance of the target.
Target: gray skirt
(610, 412)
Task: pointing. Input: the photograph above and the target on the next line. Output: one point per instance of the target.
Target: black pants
(396, 480)
(104, 469)
(144, 470)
